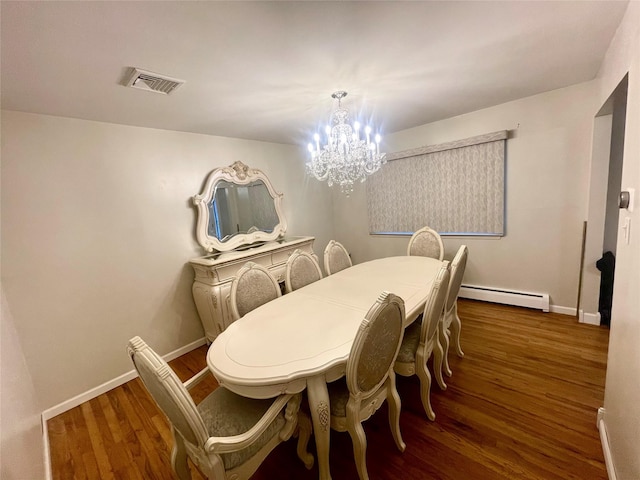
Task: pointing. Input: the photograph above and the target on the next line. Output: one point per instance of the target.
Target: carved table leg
(320, 415)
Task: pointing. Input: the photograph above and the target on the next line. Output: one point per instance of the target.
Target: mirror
(238, 206)
(240, 209)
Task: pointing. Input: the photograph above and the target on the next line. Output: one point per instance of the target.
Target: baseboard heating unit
(538, 301)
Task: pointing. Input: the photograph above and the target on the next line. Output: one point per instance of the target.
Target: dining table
(302, 340)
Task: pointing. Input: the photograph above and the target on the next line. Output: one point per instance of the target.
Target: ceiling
(266, 70)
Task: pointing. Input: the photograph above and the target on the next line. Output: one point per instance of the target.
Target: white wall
(547, 171)
(622, 390)
(97, 230)
(21, 451)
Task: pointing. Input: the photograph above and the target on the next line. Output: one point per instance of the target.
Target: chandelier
(346, 156)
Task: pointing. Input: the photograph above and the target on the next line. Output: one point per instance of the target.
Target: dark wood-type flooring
(521, 404)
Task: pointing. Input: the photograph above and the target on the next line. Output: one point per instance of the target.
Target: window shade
(455, 188)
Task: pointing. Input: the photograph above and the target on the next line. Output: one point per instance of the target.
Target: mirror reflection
(239, 209)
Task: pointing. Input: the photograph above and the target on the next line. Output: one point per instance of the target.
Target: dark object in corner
(606, 265)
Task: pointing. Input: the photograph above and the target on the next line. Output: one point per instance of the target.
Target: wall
(20, 428)
(97, 230)
(622, 389)
(547, 170)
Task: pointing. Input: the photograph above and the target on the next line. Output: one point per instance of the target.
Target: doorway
(601, 232)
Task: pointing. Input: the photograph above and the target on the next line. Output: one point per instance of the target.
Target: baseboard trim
(48, 473)
(111, 384)
(589, 318)
(563, 310)
(606, 448)
(599, 416)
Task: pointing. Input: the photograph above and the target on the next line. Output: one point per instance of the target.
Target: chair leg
(438, 359)
(359, 440)
(179, 458)
(393, 400)
(304, 433)
(444, 338)
(445, 358)
(456, 326)
(425, 389)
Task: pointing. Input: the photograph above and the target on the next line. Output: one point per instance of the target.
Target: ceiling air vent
(152, 82)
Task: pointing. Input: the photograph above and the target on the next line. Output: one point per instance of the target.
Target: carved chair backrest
(302, 269)
(336, 258)
(435, 304)
(458, 266)
(168, 392)
(253, 286)
(426, 243)
(376, 345)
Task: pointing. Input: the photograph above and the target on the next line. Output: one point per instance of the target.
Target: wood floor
(521, 404)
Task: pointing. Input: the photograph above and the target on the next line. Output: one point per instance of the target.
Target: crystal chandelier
(345, 157)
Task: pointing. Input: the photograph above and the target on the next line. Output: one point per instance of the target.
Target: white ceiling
(266, 70)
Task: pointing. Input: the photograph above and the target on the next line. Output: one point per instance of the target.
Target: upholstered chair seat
(336, 258)
(370, 379)
(426, 243)
(420, 341)
(302, 269)
(226, 436)
(226, 414)
(252, 287)
(410, 342)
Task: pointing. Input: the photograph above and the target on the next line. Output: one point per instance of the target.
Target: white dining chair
(426, 242)
(226, 436)
(252, 286)
(369, 377)
(336, 258)
(302, 269)
(421, 341)
(451, 325)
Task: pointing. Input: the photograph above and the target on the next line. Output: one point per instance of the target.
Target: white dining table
(303, 339)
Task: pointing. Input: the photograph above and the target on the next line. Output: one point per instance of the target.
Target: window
(456, 188)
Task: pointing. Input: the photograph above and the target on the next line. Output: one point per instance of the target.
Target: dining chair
(369, 377)
(252, 286)
(451, 325)
(426, 243)
(226, 436)
(336, 258)
(302, 269)
(421, 340)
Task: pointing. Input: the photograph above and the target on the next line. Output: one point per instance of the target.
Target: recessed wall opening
(601, 234)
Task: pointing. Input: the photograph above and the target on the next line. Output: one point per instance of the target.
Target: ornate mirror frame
(239, 174)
